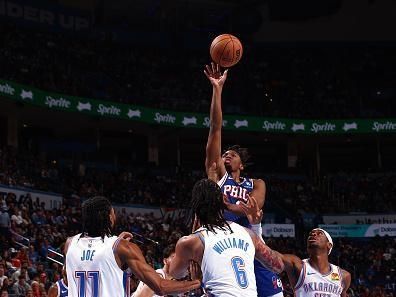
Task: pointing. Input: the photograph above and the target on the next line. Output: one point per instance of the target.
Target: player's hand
(252, 211)
(125, 235)
(216, 78)
(226, 202)
(234, 208)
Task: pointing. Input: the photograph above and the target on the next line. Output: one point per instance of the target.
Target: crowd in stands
(24, 259)
(339, 193)
(138, 186)
(357, 192)
(25, 269)
(310, 81)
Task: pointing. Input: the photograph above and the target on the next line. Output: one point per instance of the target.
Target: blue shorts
(268, 283)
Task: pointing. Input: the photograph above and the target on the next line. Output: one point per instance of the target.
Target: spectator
(20, 288)
(2, 276)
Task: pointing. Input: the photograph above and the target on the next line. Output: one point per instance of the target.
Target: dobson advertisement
(278, 230)
(360, 230)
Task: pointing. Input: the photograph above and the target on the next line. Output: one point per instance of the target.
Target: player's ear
(241, 167)
(329, 245)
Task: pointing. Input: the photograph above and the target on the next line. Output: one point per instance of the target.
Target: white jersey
(227, 263)
(141, 285)
(312, 283)
(92, 269)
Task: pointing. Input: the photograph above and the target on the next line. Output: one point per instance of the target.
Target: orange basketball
(226, 50)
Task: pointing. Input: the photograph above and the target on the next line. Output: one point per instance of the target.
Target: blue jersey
(62, 288)
(268, 283)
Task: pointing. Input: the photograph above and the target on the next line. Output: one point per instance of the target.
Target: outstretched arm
(213, 146)
(276, 261)
(271, 259)
(131, 255)
(188, 248)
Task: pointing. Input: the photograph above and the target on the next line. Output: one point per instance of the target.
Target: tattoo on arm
(268, 257)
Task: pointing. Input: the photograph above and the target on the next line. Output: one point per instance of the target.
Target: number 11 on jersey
(87, 278)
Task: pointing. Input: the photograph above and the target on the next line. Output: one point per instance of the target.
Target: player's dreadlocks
(207, 203)
(96, 217)
(242, 152)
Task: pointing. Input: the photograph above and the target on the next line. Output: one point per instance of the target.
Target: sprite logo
(323, 127)
(54, 102)
(164, 118)
(111, 110)
(7, 89)
(206, 122)
(189, 121)
(388, 126)
(274, 125)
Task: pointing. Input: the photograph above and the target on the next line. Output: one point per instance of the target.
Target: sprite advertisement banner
(360, 230)
(94, 107)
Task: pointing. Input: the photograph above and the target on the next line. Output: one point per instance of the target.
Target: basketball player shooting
(224, 250)
(236, 189)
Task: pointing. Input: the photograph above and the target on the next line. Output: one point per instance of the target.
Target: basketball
(226, 50)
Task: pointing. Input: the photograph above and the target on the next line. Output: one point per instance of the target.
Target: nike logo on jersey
(310, 273)
(63, 292)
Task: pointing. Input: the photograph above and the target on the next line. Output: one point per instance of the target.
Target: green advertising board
(33, 96)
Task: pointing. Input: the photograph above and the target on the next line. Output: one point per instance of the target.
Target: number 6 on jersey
(240, 274)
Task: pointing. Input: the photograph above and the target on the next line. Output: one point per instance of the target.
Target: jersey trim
(126, 284)
(63, 283)
(115, 244)
(59, 289)
(330, 272)
(223, 180)
(301, 278)
(201, 237)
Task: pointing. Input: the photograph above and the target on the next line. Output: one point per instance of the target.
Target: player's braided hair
(96, 217)
(242, 152)
(207, 203)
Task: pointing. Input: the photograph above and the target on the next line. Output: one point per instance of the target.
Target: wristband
(258, 230)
